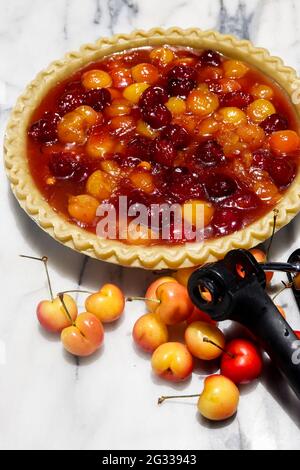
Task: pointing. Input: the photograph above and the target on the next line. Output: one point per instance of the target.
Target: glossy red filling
(165, 125)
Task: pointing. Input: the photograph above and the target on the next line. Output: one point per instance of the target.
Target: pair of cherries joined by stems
(81, 334)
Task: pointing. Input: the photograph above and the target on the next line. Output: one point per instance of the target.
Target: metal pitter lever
(234, 288)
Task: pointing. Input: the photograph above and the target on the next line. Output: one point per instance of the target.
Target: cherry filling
(165, 125)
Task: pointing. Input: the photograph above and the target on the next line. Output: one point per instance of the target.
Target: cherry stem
(74, 290)
(169, 397)
(285, 286)
(44, 260)
(61, 298)
(207, 340)
(130, 299)
(275, 212)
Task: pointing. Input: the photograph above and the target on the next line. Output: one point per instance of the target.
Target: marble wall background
(49, 400)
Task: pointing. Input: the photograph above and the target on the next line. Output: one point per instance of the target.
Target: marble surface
(49, 399)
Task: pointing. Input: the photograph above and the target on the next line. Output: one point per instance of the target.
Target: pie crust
(148, 257)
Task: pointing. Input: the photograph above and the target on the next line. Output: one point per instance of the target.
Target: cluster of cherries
(81, 334)
(165, 125)
(168, 304)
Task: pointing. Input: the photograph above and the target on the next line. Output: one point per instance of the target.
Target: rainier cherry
(107, 304)
(56, 314)
(151, 292)
(173, 304)
(149, 332)
(84, 337)
(218, 400)
(204, 340)
(172, 361)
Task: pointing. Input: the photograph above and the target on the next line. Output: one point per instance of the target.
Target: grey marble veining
(50, 400)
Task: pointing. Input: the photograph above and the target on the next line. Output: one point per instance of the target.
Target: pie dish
(273, 123)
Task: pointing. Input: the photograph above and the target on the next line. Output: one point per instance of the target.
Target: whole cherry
(241, 361)
(57, 313)
(107, 304)
(85, 336)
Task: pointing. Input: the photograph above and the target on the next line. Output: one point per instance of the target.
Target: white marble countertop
(48, 400)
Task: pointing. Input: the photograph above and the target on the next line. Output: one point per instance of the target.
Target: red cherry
(152, 96)
(274, 122)
(282, 171)
(183, 72)
(226, 221)
(177, 135)
(157, 116)
(72, 97)
(243, 363)
(220, 186)
(45, 129)
(180, 86)
(209, 153)
(210, 57)
(140, 147)
(64, 165)
(98, 99)
(184, 185)
(238, 99)
(163, 151)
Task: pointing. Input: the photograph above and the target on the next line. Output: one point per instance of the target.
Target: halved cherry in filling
(220, 186)
(67, 165)
(209, 154)
(45, 129)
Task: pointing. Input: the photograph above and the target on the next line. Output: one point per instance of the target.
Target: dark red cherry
(139, 147)
(282, 171)
(72, 97)
(45, 129)
(177, 135)
(163, 151)
(220, 186)
(64, 165)
(242, 200)
(180, 86)
(274, 122)
(210, 57)
(98, 99)
(237, 99)
(183, 72)
(153, 96)
(226, 221)
(184, 185)
(209, 153)
(157, 116)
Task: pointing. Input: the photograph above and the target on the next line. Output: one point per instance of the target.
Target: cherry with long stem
(44, 260)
